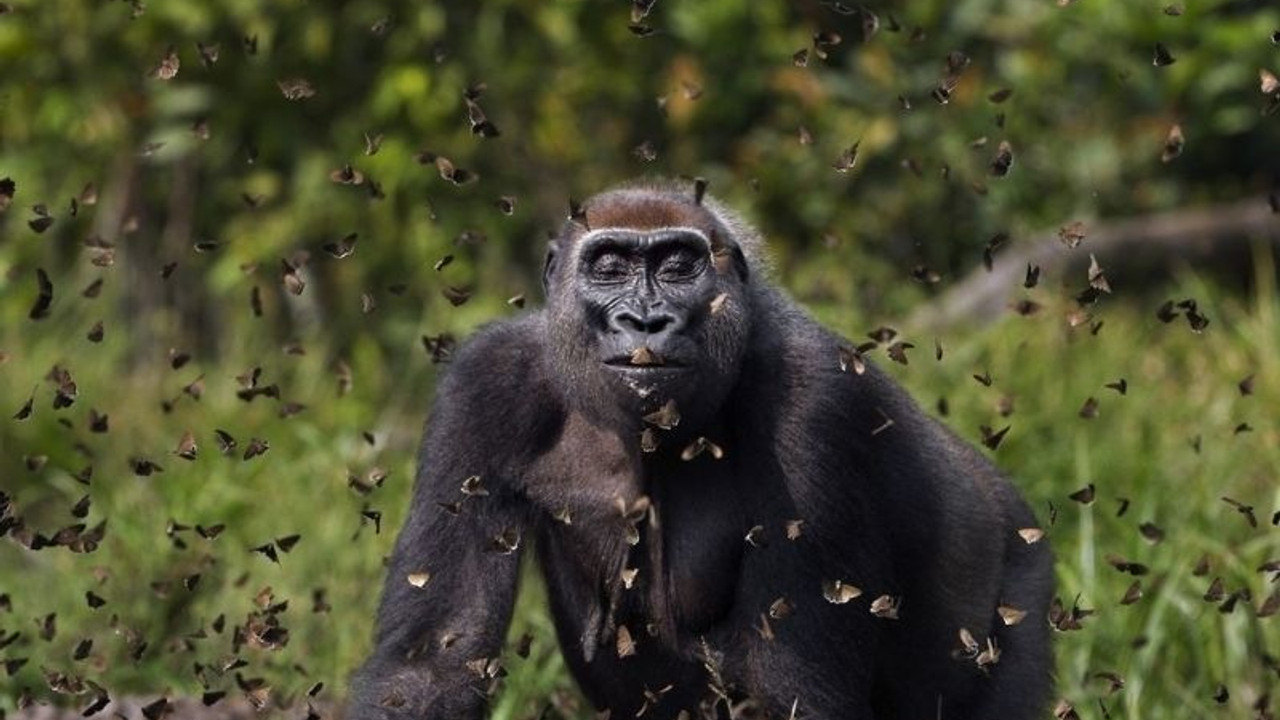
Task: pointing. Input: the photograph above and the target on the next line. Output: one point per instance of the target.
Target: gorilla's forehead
(647, 210)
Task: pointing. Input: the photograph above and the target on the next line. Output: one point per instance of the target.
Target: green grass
(1171, 647)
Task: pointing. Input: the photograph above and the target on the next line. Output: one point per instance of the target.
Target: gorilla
(735, 513)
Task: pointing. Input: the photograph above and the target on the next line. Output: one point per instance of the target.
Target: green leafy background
(715, 92)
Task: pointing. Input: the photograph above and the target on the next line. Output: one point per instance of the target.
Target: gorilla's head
(647, 292)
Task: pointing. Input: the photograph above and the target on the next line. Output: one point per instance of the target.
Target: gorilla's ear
(549, 269)
(720, 247)
(740, 264)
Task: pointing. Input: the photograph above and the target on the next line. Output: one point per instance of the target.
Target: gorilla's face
(645, 297)
(648, 315)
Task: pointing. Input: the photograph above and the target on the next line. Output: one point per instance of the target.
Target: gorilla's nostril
(647, 324)
(657, 323)
(627, 321)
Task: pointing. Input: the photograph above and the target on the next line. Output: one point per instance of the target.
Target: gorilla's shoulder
(803, 370)
(498, 365)
(496, 392)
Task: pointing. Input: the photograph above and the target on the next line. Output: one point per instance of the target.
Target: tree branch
(1189, 236)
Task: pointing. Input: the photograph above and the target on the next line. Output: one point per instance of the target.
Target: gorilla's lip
(623, 362)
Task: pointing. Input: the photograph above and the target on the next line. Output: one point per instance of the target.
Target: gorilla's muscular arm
(451, 581)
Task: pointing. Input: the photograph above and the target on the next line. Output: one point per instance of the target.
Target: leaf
(296, 88)
(1072, 234)
(1002, 163)
(7, 188)
(1173, 144)
(167, 69)
(838, 592)
(847, 159)
(625, 645)
(44, 296)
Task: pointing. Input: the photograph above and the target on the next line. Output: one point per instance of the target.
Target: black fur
(903, 509)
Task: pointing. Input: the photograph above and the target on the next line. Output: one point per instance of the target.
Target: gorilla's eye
(609, 267)
(681, 266)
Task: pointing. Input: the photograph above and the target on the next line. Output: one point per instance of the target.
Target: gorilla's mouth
(624, 362)
(647, 380)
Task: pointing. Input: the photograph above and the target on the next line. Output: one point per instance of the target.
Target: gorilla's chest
(655, 543)
(696, 539)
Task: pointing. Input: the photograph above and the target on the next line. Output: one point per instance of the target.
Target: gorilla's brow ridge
(623, 230)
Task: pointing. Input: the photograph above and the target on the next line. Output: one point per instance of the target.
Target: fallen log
(1195, 237)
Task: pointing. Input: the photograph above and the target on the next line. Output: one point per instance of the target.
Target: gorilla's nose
(641, 325)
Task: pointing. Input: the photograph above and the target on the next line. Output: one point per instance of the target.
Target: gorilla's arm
(451, 581)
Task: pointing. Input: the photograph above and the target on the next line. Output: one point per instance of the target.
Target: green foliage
(217, 171)
(1170, 450)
